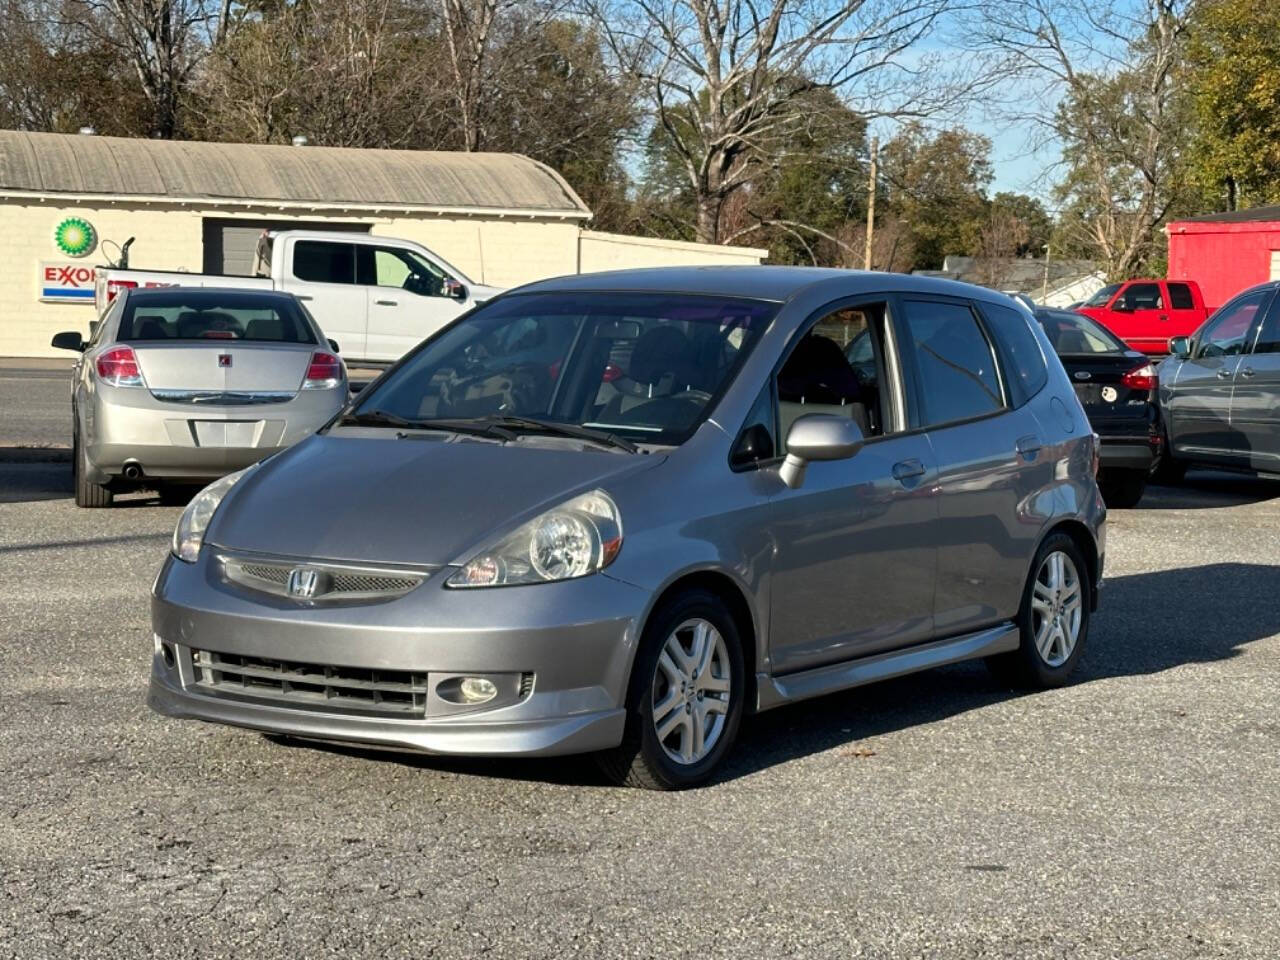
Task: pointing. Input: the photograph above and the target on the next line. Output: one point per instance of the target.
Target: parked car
(1146, 313)
(179, 386)
(376, 296)
(1117, 388)
(552, 558)
(1220, 389)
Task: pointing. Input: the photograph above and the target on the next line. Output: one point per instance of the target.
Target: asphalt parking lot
(1132, 814)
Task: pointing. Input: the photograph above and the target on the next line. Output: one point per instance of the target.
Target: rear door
(322, 273)
(1181, 310)
(1255, 403)
(1197, 404)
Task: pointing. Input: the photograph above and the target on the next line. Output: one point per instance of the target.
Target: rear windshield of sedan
(1075, 334)
(646, 366)
(205, 316)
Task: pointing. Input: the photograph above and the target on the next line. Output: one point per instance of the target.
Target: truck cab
(1146, 313)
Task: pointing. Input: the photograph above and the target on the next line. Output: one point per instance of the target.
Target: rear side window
(321, 261)
(1023, 359)
(958, 377)
(1180, 297)
(197, 315)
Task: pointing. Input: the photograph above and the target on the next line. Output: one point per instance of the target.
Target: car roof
(762, 282)
(211, 295)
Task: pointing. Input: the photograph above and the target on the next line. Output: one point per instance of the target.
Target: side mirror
(333, 345)
(1180, 347)
(455, 290)
(1122, 307)
(818, 436)
(68, 340)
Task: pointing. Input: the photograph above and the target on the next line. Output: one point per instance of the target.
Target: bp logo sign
(75, 237)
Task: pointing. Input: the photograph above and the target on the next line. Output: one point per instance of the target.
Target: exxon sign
(66, 282)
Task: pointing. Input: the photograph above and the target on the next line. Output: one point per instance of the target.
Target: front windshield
(645, 367)
(1103, 296)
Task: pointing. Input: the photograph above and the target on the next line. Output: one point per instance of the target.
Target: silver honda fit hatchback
(614, 513)
(184, 384)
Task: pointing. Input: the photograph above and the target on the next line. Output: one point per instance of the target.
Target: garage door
(230, 245)
(1275, 264)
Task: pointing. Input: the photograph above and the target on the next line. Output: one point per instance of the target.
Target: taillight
(119, 367)
(324, 371)
(114, 287)
(1141, 378)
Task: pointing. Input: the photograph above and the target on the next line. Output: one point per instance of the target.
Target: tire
(644, 758)
(1168, 471)
(1123, 488)
(88, 494)
(1028, 666)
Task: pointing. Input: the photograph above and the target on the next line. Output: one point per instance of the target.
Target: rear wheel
(1053, 620)
(1122, 488)
(88, 493)
(1168, 471)
(686, 697)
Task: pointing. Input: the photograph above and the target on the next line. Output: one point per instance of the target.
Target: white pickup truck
(375, 296)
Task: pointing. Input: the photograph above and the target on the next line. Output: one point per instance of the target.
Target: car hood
(411, 501)
(481, 292)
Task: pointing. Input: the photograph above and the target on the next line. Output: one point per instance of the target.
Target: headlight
(574, 539)
(189, 533)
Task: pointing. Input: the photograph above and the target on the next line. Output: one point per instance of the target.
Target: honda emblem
(224, 359)
(303, 582)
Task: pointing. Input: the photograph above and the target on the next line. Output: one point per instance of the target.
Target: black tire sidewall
(707, 606)
(1033, 664)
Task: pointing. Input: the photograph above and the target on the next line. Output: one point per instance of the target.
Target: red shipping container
(1226, 252)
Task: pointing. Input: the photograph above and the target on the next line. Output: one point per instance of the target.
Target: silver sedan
(615, 513)
(182, 385)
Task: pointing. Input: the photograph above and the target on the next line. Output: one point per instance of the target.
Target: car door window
(818, 375)
(402, 269)
(958, 376)
(1141, 296)
(1228, 332)
(1023, 359)
(321, 261)
(1269, 337)
(1180, 297)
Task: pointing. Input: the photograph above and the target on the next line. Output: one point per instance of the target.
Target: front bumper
(574, 640)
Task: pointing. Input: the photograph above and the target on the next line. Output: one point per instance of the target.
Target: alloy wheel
(1056, 608)
(690, 689)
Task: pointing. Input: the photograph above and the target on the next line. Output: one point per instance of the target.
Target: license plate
(226, 433)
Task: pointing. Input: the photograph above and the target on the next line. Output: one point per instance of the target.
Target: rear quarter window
(1019, 348)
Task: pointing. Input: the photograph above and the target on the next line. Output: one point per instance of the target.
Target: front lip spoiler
(580, 733)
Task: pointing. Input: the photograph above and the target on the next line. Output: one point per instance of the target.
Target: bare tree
(722, 78)
(1101, 78)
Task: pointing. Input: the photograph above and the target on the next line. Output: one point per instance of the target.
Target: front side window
(402, 269)
(323, 261)
(1142, 296)
(1227, 334)
(1269, 337)
(646, 367)
(958, 375)
(210, 315)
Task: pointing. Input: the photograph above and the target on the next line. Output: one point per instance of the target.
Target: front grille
(395, 693)
(331, 583)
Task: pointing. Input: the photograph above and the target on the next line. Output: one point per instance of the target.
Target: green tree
(1234, 54)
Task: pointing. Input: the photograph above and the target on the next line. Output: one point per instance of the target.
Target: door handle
(907, 469)
(1247, 372)
(386, 303)
(1028, 446)
(1164, 317)
(1224, 374)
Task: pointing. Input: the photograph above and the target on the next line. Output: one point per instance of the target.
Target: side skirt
(775, 691)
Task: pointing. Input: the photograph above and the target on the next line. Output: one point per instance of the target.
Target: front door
(408, 299)
(854, 549)
(1147, 321)
(1197, 405)
(1255, 404)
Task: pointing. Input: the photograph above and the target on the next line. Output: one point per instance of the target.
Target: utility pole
(871, 202)
(1044, 290)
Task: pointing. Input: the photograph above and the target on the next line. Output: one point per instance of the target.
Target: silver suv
(614, 513)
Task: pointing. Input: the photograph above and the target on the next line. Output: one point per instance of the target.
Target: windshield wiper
(557, 428)
(381, 418)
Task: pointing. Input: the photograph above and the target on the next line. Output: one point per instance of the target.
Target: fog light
(477, 690)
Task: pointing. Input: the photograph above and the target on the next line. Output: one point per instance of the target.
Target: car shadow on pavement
(31, 482)
(1210, 488)
(1142, 627)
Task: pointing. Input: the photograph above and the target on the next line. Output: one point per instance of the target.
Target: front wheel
(1053, 620)
(686, 697)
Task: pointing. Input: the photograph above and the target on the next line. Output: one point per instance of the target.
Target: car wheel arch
(1084, 541)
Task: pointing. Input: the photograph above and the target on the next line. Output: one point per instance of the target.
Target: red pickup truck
(1146, 313)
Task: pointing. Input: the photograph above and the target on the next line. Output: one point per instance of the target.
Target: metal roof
(241, 173)
(1251, 215)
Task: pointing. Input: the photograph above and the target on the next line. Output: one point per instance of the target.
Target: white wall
(614, 251)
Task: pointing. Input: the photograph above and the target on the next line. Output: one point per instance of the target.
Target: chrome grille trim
(225, 398)
(396, 693)
(335, 582)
